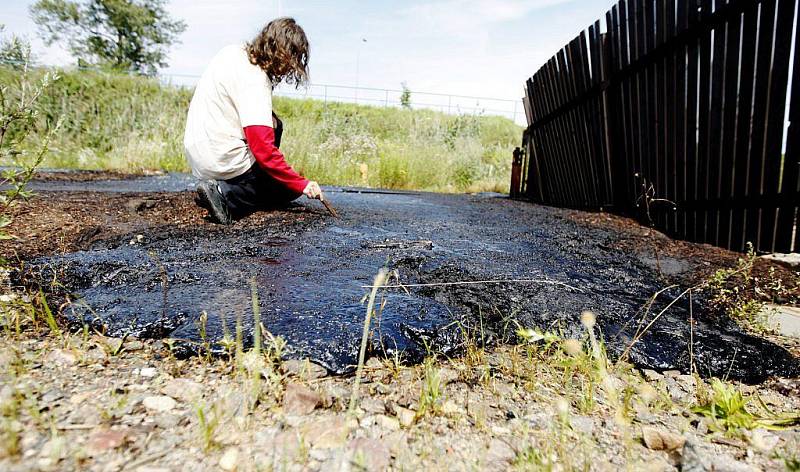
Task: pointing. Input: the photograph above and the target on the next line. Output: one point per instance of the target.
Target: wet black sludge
(310, 276)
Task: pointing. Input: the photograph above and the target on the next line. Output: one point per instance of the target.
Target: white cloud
(461, 16)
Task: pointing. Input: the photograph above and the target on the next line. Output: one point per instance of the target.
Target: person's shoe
(210, 198)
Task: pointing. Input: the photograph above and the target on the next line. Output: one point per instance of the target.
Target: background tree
(131, 35)
(15, 51)
(405, 96)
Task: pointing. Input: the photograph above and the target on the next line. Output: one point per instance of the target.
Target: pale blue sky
(468, 47)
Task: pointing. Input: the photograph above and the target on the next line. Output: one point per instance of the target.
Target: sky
(484, 48)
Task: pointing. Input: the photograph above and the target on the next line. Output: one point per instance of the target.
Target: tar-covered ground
(137, 258)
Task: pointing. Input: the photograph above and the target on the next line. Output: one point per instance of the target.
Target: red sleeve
(261, 140)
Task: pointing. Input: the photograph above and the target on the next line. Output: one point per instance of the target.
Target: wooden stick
(481, 282)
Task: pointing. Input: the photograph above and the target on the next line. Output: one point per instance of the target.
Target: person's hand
(313, 191)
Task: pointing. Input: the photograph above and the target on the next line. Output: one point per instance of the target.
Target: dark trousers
(255, 190)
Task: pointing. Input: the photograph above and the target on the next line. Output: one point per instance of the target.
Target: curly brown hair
(281, 50)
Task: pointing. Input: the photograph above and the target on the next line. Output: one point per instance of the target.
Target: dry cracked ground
(83, 401)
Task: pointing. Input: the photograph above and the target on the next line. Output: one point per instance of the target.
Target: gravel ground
(76, 403)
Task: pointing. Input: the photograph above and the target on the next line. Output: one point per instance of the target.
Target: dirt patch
(781, 283)
(85, 175)
(58, 223)
(62, 222)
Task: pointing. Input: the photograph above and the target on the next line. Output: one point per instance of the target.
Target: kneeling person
(232, 135)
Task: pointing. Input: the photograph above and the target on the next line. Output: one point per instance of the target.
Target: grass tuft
(727, 408)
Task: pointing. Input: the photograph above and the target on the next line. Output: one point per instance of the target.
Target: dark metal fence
(675, 112)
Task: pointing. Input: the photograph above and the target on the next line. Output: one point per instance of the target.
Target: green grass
(135, 124)
(727, 408)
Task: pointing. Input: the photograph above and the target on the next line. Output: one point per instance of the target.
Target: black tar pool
(310, 271)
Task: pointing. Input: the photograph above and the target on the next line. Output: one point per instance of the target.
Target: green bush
(135, 124)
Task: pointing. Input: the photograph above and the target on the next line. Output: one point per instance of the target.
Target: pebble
(148, 372)
(134, 345)
(694, 459)
(396, 441)
(113, 344)
(448, 375)
(764, 441)
(168, 421)
(106, 439)
(405, 416)
(479, 411)
(229, 461)
(51, 396)
(184, 390)
(372, 405)
(652, 375)
(387, 423)
(95, 355)
(499, 455)
(159, 403)
(451, 408)
(304, 369)
(539, 420)
(583, 424)
(661, 440)
(369, 454)
(300, 400)
(329, 433)
(500, 431)
(61, 358)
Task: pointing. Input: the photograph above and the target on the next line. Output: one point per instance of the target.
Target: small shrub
(727, 408)
(20, 109)
(734, 292)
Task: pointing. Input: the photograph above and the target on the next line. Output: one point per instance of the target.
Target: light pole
(358, 64)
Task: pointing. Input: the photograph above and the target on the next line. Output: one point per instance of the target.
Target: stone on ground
(661, 440)
(300, 400)
(368, 454)
(184, 390)
(159, 403)
(104, 440)
(304, 369)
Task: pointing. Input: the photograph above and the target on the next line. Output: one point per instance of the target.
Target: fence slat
(669, 98)
(766, 30)
(715, 123)
(587, 117)
(682, 109)
(776, 111)
(790, 188)
(658, 110)
(703, 123)
(743, 124)
(624, 185)
(726, 159)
